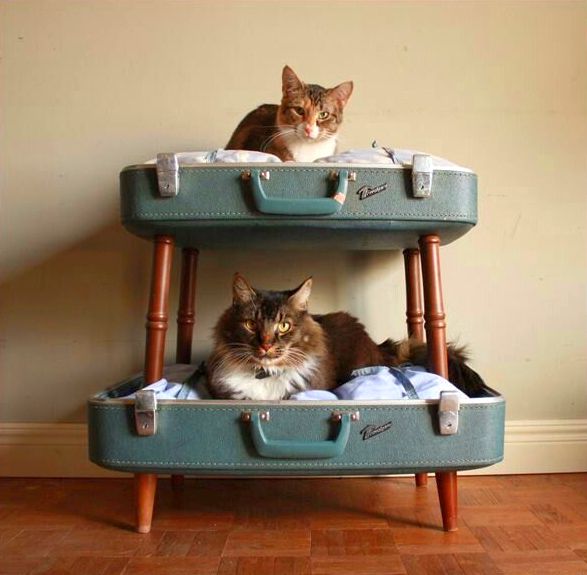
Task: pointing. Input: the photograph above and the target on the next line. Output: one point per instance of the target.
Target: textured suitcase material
(296, 438)
(342, 206)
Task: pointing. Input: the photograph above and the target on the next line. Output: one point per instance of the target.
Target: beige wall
(88, 87)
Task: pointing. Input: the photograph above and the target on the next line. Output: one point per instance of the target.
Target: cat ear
(290, 83)
(242, 292)
(342, 92)
(299, 297)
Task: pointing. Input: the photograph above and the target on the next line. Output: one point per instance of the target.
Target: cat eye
(299, 111)
(323, 115)
(250, 324)
(283, 327)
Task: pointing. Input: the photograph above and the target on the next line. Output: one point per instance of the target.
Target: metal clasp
(146, 412)
(246, 416)
(168, 175)
(448, 412)
(246, 175)
(422, 170)
(337, 416)
(334, 175)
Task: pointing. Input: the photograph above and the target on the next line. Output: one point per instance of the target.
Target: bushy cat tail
(415, 352)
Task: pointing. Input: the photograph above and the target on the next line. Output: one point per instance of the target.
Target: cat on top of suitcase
(302, 128)
(267, 346)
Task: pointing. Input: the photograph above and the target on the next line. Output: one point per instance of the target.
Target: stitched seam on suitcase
(419, 215)
(313, 170)
(238, 410)
(341, 464)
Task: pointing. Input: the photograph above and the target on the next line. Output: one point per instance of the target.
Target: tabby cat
(268, 346)
(302, 128)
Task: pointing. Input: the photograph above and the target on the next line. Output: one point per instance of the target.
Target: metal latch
(337, 416)
(448, 412)
(263, 416)
(146, 412)
(422, 170)
(168, 175)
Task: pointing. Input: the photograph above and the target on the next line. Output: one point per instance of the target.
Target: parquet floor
(374, 526)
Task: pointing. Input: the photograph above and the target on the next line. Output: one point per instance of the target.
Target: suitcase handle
(292, 449)
(300, 206)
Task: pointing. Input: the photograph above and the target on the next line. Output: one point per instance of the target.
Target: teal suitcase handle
(292, 449)
(300, 206)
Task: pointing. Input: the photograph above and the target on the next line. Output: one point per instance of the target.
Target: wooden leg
(157, 316)
(421, 479)
(145, 487)
(186, 317)
(446, 482)
(157, 319)
(438, 361)
(177, 482)
(414, 313)
(187, 313)
(434, 305)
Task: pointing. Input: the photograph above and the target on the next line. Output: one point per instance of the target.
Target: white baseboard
(60, 449)
(47, 450)
(544, 446)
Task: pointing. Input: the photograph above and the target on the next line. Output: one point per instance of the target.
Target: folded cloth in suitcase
(375, 155)
(380, 382)
(368, 383)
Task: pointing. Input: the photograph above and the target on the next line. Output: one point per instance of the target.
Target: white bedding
(370, 383)
(371, 156)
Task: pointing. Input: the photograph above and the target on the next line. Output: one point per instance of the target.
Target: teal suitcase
(415, 207)
(220, 437)
(299, 206)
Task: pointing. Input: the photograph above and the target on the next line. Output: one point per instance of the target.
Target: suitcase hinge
(448, 412)
(168, 175)
(422, 170)
(146, 412)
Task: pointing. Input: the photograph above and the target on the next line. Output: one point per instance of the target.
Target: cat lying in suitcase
(267, 346)
(302, 128)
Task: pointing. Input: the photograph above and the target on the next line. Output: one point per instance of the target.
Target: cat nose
(266, 346)
(311, 130)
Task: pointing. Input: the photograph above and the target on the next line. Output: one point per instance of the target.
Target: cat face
(310, 112)
(268, 329)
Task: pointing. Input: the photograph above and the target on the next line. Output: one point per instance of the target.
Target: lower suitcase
(293, 438)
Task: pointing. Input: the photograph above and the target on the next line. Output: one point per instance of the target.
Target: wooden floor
(511, 525)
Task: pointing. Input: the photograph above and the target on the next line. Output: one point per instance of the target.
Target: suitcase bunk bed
(416, 205)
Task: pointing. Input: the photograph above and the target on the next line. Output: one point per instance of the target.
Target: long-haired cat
(302, 128)
(268, 346)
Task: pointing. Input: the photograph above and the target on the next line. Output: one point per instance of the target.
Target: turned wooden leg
(446, 482)
(414, 313)
(186, 317)
(438, 360)
(145, 489)
(187, 312)
(434, 305)
(157, 320)
(157, 316)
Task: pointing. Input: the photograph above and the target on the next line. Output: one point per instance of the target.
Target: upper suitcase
(294, 206)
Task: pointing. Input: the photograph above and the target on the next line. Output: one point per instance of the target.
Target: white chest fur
(310, 150)
(244, 385)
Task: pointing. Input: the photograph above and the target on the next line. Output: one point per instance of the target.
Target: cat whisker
(233, 358)
(280, 132)
(298, 359)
